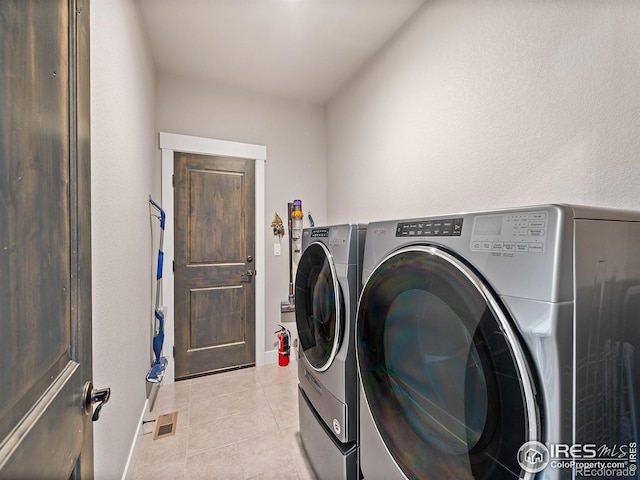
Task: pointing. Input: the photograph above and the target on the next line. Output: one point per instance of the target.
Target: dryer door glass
(443, 372)
(318, 307)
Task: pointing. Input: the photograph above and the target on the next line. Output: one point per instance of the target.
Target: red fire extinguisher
(284, 346)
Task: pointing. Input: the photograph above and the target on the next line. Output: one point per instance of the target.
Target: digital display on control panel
(522, 232)
(448, 227)
(488, 225)
(319, 233)
(338, 235)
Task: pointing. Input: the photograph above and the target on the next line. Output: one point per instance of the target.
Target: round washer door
(444, 375)
(318, 307)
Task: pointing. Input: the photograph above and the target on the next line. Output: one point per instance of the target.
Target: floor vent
(166, 425)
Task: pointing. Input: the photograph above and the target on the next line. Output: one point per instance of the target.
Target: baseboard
(133, 453)
(270, 357)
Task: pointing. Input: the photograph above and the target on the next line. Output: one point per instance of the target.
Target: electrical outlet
(276, 249)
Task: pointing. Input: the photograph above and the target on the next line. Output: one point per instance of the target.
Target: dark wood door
(214, 266)
(45, 258)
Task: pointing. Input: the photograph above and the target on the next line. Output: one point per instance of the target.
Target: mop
(157, 369)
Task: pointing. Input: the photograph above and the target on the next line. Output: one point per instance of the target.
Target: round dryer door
(443, 371)
(318, 307)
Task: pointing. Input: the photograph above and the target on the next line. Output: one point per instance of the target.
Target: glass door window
(318, 307)
(443, 372)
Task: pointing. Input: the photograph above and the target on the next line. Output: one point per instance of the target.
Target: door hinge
(174, 351)
(173, 180)
(173, 266)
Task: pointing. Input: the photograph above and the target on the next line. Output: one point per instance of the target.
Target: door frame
(169, 144)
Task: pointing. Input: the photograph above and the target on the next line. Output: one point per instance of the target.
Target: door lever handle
(246, 277)
(93, 396)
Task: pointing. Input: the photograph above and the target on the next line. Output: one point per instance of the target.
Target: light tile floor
(235, 425)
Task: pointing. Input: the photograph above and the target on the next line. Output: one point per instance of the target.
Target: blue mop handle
(158, 338)
(163, 216)
(160, 262)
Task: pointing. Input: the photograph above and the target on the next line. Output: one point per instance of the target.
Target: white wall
(295, 136)
(483, 104)
(124, 173)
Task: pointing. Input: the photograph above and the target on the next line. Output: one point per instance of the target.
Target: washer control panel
(320, 233)
(338, 235)
(448, 227)
(524, 232)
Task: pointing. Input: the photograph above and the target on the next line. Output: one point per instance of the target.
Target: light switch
(276, 249)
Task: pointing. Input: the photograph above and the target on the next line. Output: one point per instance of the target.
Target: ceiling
(300, 49)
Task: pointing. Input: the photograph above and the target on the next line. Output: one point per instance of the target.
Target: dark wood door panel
(225, 275)
(214, 235)
(214, 313)
(35, 203)
(214, 248)
(45, 257)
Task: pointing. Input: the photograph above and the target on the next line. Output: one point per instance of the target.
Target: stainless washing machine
(326, 293)
(500, 345)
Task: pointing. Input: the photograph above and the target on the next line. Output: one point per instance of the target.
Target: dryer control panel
(447, 227)
(337, 235)
(320, 233)
(524, 232)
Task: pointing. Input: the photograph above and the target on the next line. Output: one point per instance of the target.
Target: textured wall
(125, 165)
(489, 104)
(295, 136)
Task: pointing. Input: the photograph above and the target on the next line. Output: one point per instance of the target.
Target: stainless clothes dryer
(326, 289)
(500, 345)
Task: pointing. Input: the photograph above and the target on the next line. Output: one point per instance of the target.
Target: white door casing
(170, 143)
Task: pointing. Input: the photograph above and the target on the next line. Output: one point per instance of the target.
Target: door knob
(246, 277)
(93, 396)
